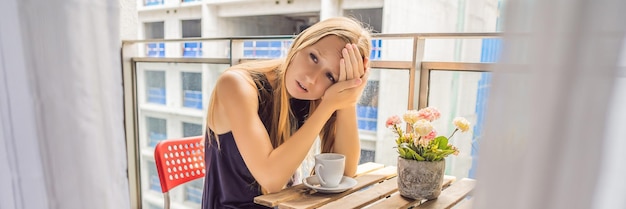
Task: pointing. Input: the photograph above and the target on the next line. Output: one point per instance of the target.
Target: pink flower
(393, 120)
(429, 113)
(431, 135)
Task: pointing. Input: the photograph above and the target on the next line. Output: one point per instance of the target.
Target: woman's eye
(330, 77)
(313, 57)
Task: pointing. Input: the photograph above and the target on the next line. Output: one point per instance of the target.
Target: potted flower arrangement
(421, 161)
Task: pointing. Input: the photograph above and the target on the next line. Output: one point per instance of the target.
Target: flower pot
(420, 179)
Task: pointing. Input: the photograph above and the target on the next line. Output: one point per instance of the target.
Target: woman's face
(314, 68)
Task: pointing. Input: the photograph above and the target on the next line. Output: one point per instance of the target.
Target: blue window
(192, 49)
(376, 48)
(265, 49)
(193, 99)
(367, 108)
(155, 49)
(157, 130)
(262, 43)
(192, 90)
(154, 30)
(367, 117)
(193, 191)
(491, 49)
(155, 86)
(191, 129)
(153, 2)
(156, 95)
(153, 177)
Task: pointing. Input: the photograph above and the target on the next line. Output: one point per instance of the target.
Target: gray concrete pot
(420, 179)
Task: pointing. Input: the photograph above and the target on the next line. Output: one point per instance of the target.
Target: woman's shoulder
(236, 82)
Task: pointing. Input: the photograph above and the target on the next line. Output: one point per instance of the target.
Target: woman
(257, 135)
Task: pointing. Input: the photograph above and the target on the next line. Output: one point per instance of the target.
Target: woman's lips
(302, 87)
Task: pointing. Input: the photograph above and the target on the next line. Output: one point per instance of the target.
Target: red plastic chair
(178, 161)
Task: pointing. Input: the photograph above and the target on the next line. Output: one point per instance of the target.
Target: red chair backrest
(179, 161)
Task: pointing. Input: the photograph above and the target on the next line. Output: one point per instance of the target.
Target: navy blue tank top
(228, 182)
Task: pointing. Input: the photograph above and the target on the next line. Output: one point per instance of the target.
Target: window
(367, 156)
(193, 191)
(367, 108)
(157, 130)
(153, 2)
(192, 29)
(155, 86)
(376, 49)
(154, 30)
(191, 129)
(153, 175)
(265, 49)
(192, 90)
(462, 94)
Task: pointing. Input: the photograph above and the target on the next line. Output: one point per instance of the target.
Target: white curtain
(555, 135)
(61, 113)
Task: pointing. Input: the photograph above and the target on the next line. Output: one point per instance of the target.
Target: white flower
(422, 127)
(461, 123)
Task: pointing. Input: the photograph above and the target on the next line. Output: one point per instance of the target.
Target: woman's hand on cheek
(346, 93)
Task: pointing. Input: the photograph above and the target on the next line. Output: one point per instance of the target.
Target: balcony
(409, 71)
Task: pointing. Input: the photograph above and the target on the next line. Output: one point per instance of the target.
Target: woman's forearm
(296, 148)
(347, 139)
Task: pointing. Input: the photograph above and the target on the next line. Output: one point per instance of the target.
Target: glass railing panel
(462, 94)
(184, 90)
(385, 94)
(396, 49)
(473, 50)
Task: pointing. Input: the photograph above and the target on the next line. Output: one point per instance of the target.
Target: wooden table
(376, 188)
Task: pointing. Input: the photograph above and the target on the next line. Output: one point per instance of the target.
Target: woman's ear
(366, 62)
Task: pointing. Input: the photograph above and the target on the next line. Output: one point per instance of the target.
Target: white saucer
(314, 183)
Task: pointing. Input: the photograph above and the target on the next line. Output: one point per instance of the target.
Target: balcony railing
(409, 71)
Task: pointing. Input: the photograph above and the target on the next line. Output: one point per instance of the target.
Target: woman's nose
(311, 78)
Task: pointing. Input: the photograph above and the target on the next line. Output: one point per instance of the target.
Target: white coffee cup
(329, 168)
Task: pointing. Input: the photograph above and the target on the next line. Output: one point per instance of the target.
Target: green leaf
(401, 151)
(443, 142)
(415, 155)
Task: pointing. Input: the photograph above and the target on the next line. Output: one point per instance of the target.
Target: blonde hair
(283, 121)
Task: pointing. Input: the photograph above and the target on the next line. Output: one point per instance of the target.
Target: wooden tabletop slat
(397, 201)
(318, 199)
(465, 204)
(367, 167)
(272, 200)
(365, 197)
(452, 195)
